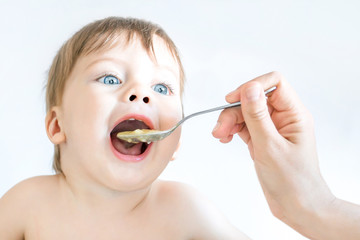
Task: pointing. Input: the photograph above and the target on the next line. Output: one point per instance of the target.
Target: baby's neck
(96, 199)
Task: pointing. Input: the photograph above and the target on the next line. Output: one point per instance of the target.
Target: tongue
(127, 148)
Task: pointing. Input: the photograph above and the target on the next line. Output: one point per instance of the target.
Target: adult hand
(279, 132)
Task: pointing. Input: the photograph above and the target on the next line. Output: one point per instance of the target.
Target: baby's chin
(129, 178)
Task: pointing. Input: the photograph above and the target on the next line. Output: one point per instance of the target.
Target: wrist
(310, 212)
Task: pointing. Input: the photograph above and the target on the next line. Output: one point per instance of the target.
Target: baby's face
(120, 89)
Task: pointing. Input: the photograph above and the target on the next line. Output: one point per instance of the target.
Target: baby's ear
(176, 152)
(53, 126)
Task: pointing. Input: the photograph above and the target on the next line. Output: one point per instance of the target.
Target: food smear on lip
(136, 135)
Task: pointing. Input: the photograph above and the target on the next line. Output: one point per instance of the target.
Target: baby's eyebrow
(168, 69)
(160, 67)
(104, 59)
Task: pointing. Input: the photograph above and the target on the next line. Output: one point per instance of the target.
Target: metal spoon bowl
(146, 135)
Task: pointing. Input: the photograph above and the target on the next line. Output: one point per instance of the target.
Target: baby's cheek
(172, 115)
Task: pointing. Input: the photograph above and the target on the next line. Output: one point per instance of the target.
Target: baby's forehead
(123, 49)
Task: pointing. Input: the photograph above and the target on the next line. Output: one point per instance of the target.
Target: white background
(315, 44)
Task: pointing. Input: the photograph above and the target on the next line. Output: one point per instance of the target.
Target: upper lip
(138, 117)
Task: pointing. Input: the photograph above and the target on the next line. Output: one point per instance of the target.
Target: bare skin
(46, 208)
(279, 133)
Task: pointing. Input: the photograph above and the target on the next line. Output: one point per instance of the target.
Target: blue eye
(110, 80)
(161, 88)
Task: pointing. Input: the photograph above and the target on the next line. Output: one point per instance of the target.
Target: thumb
(256, 115)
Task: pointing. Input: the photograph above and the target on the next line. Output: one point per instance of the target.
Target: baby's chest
(73, 227)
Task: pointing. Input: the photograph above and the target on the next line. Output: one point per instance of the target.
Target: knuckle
(258, 114)
(257, 111)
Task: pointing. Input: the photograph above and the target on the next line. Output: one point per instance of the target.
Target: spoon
(147, 135)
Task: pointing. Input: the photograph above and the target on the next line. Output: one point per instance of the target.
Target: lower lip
(130, 158)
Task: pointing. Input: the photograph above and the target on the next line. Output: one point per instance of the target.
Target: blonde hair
(99, 35)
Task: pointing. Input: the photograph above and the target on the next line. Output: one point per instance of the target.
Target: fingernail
(253, 93)
(216, 126)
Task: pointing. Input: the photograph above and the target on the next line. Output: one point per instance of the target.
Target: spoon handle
(231, 105)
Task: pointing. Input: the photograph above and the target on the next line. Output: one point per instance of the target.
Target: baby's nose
(133, 97)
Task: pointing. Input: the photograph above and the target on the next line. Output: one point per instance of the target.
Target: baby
(115, 74)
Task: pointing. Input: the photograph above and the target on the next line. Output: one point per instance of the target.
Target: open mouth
(125, 147)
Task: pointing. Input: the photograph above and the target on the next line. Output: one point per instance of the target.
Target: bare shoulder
(32, 186)
(196, 213)
(17, 204)
(29, 192)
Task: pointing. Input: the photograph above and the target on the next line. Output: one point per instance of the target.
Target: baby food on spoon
(125, 146)
(137, 134)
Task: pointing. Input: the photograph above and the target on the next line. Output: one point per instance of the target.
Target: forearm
(338, 219)
(309, 207)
